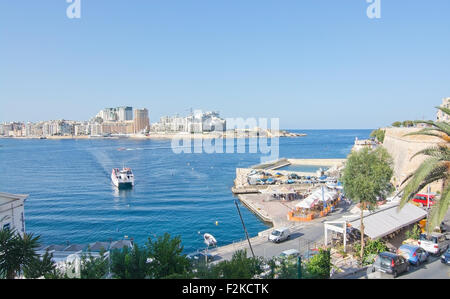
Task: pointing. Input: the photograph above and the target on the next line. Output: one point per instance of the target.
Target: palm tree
(435, 168)
(16, 252)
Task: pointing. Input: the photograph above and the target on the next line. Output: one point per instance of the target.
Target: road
(303, 237)
(434, 269)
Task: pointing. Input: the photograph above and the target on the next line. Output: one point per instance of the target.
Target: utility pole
(243, 225)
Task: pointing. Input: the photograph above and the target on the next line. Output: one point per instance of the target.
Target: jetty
(271, 193)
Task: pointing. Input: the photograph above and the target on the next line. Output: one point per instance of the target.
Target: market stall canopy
(315, 197)
(388, 220)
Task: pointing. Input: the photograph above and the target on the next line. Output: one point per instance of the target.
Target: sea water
(71, 198)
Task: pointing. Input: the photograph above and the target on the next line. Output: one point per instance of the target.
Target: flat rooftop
(8, 198)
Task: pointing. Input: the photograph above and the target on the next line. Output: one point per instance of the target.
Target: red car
(422, 199)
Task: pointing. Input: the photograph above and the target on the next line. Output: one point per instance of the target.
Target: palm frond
(440, 209)
(431, 132)
(444, 109)
(420, 175)
(441, 152)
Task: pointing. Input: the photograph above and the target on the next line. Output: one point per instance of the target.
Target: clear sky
(312, 63)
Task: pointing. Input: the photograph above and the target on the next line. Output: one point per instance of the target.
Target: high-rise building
(141, 120)
(441, 116)
(125, 113)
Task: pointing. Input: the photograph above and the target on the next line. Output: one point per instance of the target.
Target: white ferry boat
(122, 178)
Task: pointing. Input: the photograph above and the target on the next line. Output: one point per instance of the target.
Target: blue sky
(312, 63)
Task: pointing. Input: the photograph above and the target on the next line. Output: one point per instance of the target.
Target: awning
(386, 221)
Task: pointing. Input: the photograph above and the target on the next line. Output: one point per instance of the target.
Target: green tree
(287, 269)
(371, 250)
(319, 266)
(408, 123)
(379, 134)
(16, 252)
(94, 267)
(41, 267)
(366, 178)
(130, 263)
(435, 168)
(167, 258)
(414, 233)
(239, 267)
(397, 124)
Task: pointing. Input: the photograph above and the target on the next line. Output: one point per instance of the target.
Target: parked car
(434, 243)
(279, 235)
(414, 254)
(422, 199)
(291, 253)
(309, 254)
(390, 263)
(445, 258)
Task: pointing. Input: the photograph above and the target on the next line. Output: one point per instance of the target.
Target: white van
(435, 243)
(279, 235)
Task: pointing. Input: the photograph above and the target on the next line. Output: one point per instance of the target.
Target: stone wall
(402, 148)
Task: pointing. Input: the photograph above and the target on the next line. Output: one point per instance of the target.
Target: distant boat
(210, 240)
(122, 178)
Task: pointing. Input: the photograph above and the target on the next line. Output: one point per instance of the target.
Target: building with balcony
(441, 116)
(12, 208)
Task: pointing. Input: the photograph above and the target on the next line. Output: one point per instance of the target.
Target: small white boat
(209, 240)
(122, 178)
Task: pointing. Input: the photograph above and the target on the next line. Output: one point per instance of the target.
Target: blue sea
(71, 198)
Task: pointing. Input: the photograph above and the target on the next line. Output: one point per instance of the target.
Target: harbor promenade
(304, 237)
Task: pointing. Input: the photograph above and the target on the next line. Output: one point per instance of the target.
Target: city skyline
(327, 64)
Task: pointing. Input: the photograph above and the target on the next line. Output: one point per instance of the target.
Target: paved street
(304, 236)
(431, 270)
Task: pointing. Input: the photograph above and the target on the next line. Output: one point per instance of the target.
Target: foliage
(94, 267)
(319, 266)
(167, 257)
(434, 168)
(414, 233)
(379, 134)
(288, 269)
(16, 252)
(397, 124)
(130, 263)
(366, 178)
(367, 175)
(371, 250)
(408, 123)
(239, 267)
(41, 267)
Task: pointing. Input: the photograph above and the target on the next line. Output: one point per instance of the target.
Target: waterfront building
(95, 129)
(12, 212)
(141, 120)
(365, 143)
(117, 127)
(125, 113)
(211, 122)
(197, 122)
(441, 116)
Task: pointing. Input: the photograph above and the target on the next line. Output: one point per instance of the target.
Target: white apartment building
(441, 116)
(12, 212)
